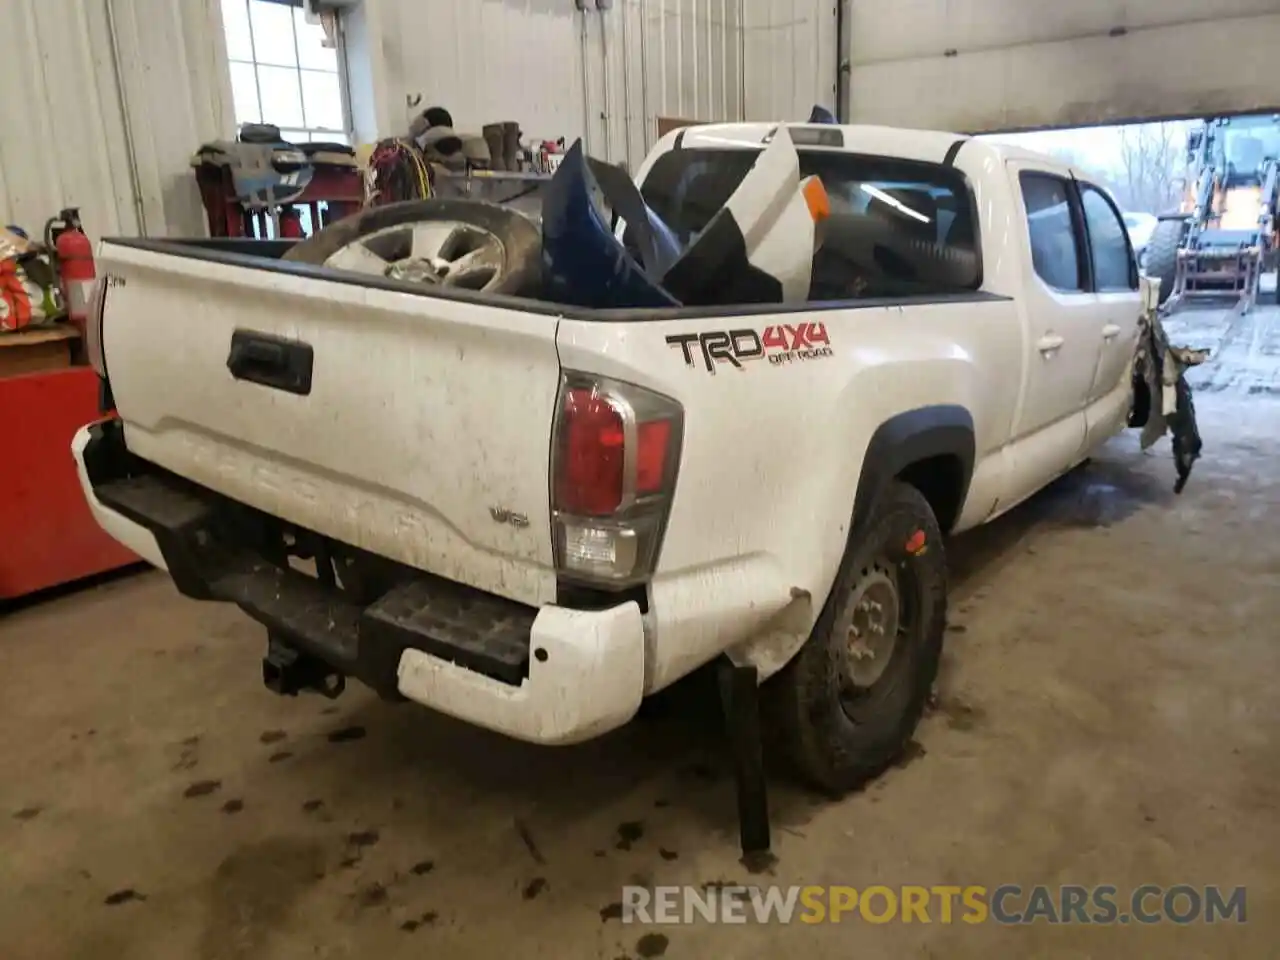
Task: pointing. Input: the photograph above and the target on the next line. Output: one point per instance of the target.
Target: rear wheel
(458, 244)
(1162, 253)
(847, 704)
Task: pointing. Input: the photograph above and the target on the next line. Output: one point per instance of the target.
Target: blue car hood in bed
(583, 263)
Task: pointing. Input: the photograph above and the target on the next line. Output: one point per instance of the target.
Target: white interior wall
(124, 160)
(981, 65)
(487, 61)
(605, 75)
(66, 136)
(791, 53)
(660, 58)
(368, 90)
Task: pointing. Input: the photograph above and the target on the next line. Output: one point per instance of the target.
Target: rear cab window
(1055, 245)
(898, 228)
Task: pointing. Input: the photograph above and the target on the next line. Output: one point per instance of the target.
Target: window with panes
(283, 73)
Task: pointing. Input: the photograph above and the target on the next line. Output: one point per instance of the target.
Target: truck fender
(908, 438)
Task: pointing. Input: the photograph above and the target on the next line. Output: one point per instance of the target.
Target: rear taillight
(616, 448)
(589, 478)
(93, 327)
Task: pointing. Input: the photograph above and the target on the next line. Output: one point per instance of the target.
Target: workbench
(47, 535)
(340, 189)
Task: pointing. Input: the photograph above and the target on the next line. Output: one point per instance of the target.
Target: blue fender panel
(583, 263)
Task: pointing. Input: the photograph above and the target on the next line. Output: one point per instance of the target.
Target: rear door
(1114, 276)
(1061, 312)
(421, 432)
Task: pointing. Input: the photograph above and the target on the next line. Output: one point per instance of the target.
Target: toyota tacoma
(532, 515)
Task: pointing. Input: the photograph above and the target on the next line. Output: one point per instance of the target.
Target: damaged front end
(1162, 396)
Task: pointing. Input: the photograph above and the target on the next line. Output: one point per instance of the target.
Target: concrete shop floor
(1108, 715)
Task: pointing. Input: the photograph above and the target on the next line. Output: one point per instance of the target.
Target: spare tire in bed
(452, 243)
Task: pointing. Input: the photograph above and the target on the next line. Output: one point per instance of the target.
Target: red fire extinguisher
(74, 253)
(291, 225)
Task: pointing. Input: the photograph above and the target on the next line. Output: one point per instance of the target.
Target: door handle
(271, 361)
(1049, 344)
(1110, 331)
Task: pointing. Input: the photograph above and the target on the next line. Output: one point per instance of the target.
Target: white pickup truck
(532, 516)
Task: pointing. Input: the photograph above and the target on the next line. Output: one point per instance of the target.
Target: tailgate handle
(271, 361)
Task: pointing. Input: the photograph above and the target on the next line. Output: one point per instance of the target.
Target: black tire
(807, 699)
(1162, 253)
(521, 271)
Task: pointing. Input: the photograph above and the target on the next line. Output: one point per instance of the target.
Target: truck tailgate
(423, 434)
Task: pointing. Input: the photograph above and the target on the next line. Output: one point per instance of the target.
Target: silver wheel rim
(872, 626)
(447, 253)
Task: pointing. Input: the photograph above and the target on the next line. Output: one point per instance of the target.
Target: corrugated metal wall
(63, 134)
(680, 59)
(67, 136)
(791, 58)
(486, 61)
(603, 74)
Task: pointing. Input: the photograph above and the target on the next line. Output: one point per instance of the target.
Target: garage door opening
(1160, 173)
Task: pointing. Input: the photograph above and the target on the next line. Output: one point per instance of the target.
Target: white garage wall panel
(791, 53)
(647, 59)
(61, 131)
(63, 134)
(603, 74)
(178, 96)
(485, 60)
(983, 65)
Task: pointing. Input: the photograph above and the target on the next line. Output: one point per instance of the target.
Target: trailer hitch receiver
(289, 671)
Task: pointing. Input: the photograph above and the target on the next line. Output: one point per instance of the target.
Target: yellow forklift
(1224, 237)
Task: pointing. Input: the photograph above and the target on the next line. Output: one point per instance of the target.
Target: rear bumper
(591, 681)
(549, 675)
(134, 536)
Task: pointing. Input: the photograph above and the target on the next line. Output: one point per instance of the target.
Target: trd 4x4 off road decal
(783, 343)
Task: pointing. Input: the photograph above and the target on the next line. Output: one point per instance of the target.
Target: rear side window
(897, 227)
(1108, 241)
(1054, 252)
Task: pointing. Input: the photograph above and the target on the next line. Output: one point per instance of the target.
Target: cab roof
(926, 145)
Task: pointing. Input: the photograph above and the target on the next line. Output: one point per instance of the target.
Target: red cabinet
(47, 534)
